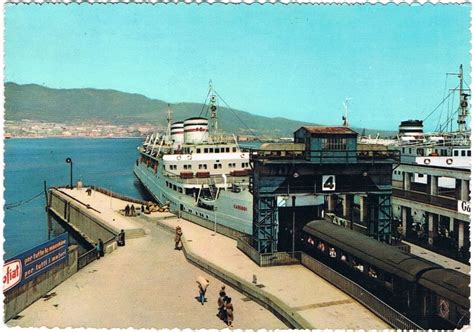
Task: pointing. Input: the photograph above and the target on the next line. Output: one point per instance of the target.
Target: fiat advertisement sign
(28, 265)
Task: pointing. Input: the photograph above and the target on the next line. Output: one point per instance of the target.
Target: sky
(296, 61)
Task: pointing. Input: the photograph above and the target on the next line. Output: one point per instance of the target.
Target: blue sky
(296, 61)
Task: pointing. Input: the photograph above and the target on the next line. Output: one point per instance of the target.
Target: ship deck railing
(212, 179)
(326, 156)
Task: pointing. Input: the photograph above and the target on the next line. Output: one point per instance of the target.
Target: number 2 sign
(329, 183)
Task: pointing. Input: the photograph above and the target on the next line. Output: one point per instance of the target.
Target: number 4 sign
(329, 183)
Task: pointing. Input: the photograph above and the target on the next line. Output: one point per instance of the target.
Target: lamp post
(293, 199)
(69, 161)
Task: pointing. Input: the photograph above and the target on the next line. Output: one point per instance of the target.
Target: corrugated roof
(329, 130)
(376, 253)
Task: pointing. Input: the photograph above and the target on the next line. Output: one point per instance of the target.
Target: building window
(456, 153)
(463, 153)
(227, 150)
(206, 150)
(334, 143)
(198, 150)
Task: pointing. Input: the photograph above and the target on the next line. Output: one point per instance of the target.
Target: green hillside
(39, 103)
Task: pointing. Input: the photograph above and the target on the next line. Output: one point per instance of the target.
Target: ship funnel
(196, 130)
(411, 128)
(177, 134)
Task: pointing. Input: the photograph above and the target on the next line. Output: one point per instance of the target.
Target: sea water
(102, 162)
(29, 162)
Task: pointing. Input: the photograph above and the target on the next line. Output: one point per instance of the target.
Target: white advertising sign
(464, 207)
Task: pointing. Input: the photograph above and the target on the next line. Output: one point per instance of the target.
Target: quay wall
(77, 216)
(17, 299)
(291, 318)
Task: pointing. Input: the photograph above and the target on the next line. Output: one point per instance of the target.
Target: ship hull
(231, 209)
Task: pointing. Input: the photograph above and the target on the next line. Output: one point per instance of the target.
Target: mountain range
(39, 103)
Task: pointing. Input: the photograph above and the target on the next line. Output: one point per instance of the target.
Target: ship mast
(213, 107)
(168, 126)
(463, 104)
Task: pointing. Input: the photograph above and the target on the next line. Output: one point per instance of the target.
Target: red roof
(329, 130)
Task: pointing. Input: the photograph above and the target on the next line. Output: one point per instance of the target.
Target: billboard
(28, 265)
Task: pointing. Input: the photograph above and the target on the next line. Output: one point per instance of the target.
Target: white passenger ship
(199, 172)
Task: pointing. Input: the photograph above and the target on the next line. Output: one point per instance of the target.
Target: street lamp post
(293, 199)
(69, 161)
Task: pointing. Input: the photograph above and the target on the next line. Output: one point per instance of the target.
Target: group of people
(130, 210)
(225, 307)
(224, 303)
(99, 247)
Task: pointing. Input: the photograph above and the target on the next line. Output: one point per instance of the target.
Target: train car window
(357, 266)
(332, 253)
(373, 273)
(321, 246)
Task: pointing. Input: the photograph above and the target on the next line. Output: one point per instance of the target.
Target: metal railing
(326, 156)
(118, 196)
(380, 308)
(91, 255)
(247, 245)
(444, 202)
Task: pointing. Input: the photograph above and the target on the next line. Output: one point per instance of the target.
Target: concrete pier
(149, 284)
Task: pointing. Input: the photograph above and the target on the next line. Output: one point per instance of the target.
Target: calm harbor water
(28, 162)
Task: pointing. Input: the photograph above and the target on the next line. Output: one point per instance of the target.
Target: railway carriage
(411, 284)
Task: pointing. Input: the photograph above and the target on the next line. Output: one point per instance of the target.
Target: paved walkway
(145, 284)
(148, 284)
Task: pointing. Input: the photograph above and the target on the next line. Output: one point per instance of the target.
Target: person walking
(127, 210)
(221, 304)
(202, 286)
(178, 244)
(229, 310)
(132, 210)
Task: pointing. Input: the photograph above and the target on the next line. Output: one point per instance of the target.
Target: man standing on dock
(121, 239)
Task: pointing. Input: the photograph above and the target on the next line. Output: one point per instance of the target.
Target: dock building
(432, 204)
(321, 172)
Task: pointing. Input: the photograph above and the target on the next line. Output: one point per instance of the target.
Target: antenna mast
(345, 117)
(463, 111)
